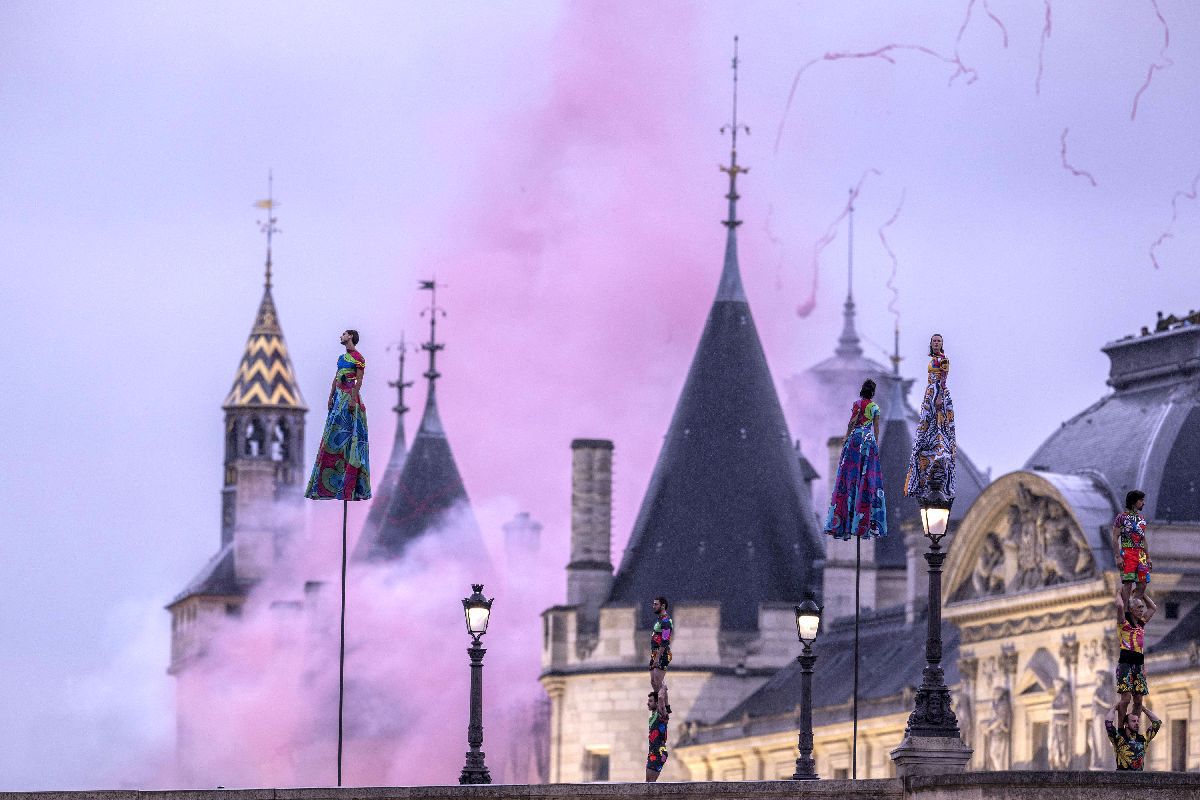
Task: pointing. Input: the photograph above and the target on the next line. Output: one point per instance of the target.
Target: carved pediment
(1030, 543)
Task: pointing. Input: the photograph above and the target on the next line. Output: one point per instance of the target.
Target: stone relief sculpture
(965, 711)
(1104, 698)
(1037, 543)
(1060, 726)
(997, 731)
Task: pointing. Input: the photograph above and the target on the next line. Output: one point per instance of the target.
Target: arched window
(255, 435)
(280, 441)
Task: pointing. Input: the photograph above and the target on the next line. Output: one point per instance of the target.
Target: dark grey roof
(385, 487)
(1185, 633)
(1146, 434)
(216, 579)
(726, 516)
(891, 659)
(895, 447)
(429, 496)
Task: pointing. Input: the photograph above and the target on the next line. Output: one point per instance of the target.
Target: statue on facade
(996, 731)
(965, 711)
(1104, 698)
(1060, 725)
(988, 577)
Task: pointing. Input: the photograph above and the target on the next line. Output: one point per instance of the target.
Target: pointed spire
(399, 448)
(730, 288)
(895, 399)
(265, 376)
(848, 342)
(269, 227)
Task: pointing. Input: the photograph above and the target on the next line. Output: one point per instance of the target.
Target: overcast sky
(555, 166)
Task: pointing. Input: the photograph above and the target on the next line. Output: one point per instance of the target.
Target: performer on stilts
(858, 508)
(932, 461)
(342, 471)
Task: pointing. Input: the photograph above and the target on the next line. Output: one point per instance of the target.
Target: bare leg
(1140, 592)
(656, 678)
(1137, 705)
(651, 775)
(1126, 589)
(1123, 706)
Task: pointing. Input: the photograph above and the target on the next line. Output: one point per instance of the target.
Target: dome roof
(1145, 434)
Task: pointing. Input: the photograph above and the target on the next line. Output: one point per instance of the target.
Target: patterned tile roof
(265, 378)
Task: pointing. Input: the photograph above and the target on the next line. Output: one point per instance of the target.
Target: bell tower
(264, 438)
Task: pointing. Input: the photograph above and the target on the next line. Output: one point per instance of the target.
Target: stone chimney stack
(590, 571)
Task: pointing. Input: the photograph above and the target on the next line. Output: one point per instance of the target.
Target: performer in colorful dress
(660, 643)
(660, 714)
(1131, 671)
(1129, 545)
(342, 469)
(857, 507)
(934, 447)
(1129, 746)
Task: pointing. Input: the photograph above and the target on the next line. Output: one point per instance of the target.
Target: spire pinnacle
(734, 168)
(433, 345)
(895, 357)
(400, 384)
(848, 342)
(269, 227)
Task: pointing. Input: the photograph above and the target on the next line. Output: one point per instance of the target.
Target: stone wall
(970, 786)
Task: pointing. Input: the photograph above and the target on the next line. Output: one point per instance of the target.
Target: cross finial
(400, 384)
(269, 227)
(734, 169)
(433, 345)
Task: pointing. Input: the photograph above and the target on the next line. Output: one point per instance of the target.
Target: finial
(432, 346)
(733, 169)
(848, 342)
(895, 357)
(400, 384)
(269, 227)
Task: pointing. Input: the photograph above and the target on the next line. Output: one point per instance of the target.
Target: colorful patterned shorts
(1131, 679)
(663, 661)
(1134, 565)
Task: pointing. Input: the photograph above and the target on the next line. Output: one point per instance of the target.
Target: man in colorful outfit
(1131, 671)
(1129, 546)
(1129, 746)
(660, 713)
(660, 644)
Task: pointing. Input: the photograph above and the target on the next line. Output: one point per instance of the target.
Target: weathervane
(269, 227)
(734, 169)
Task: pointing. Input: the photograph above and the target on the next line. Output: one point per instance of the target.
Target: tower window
(254, 438)
(1171, 609)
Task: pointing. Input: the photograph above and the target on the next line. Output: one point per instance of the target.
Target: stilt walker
(342, 471)
(858, 508)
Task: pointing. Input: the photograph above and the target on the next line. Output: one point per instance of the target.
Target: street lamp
(478, 610)
(808, 625)
(933, 715)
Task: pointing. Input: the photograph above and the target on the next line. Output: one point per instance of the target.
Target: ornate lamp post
(808, 625)
(477, 609)
(932, 744)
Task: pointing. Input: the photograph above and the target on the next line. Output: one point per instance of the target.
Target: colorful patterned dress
(935, 443)
(858, 507)
(342, 469)
(1135, 564)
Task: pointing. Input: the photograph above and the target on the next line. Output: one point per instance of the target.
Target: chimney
(590, 571)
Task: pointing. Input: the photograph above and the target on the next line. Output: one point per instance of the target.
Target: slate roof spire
(895, 446)
(848, 342)
(726, 517)
(386, 487)
(430, 496)
(265, 377)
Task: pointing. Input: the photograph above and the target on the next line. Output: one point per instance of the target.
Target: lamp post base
(930, 755)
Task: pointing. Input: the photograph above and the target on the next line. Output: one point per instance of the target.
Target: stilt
(854, 706)
(342, 645)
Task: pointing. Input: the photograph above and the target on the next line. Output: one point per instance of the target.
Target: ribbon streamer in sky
(1169, 233)
(967, 20)
(1163, 62)
(1081, 173)
(806, 308)
(891, 281)
(1046, 25)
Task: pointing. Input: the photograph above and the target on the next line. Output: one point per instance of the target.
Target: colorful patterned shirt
(1132, 527)
(863, 412)
(660, 635)
(1133, 640)
(1130, 750)
(657, 739)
